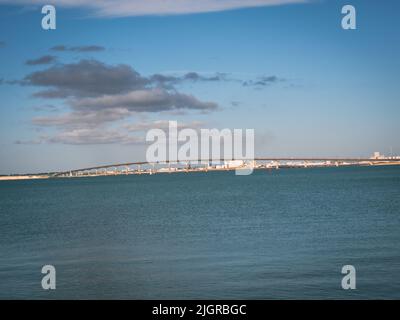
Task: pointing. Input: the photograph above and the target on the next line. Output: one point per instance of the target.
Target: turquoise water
(275, 234)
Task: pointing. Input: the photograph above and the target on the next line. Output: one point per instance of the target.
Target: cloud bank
(100, 96)
(85, 78)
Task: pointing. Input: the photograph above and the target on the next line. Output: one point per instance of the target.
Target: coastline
(183, 170)
(22, 177)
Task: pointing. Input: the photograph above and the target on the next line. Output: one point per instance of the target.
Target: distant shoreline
(38, 176)
(22, 177)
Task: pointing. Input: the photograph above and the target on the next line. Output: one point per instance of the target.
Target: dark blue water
(280, 234)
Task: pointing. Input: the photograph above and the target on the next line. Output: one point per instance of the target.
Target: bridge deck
(139, 163)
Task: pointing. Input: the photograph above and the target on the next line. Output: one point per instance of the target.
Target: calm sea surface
(279, 234)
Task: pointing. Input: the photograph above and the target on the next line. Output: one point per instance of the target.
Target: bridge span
(210, 164)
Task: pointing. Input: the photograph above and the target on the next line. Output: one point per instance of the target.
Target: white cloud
(121, 8)
(79, 119)
(148, 100)
(94, 136)
(161, 124)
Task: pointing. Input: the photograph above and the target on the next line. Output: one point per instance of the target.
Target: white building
(377, 155)
(234, 164)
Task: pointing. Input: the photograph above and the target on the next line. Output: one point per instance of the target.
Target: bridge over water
(272, 161)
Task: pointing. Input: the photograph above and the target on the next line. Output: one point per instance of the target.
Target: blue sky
(326, 91)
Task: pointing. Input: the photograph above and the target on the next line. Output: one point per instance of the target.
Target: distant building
(234, 164)
(377, 155)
